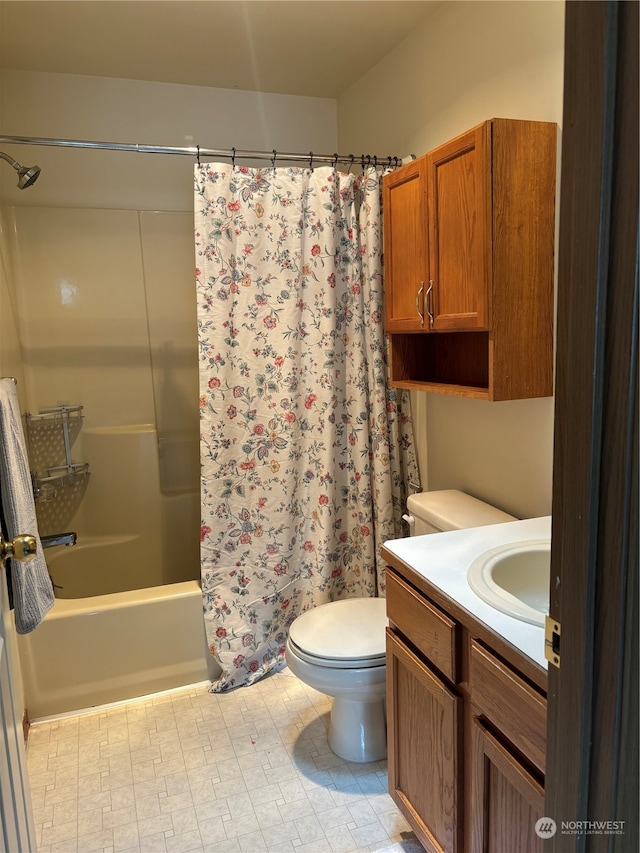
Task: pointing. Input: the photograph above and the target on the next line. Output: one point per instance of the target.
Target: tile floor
(243, 772)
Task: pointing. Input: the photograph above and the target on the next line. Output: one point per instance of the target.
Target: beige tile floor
(243, 772)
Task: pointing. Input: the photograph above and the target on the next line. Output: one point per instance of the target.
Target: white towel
(32, 588)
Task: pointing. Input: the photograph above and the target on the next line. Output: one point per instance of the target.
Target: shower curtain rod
(196, 151)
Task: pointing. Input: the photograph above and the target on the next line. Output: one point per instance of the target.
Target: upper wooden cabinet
(469, 248)
(405, 247)
(459, 222)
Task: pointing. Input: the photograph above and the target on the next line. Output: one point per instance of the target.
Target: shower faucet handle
(22, 548)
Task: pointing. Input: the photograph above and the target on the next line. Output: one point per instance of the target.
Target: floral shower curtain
(304, 449)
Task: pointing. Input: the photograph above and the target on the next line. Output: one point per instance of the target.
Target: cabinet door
(459, 216)
(507, 799)
(405, 247)
(423, 730)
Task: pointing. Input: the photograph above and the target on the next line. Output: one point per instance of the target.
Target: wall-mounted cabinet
(468, 259)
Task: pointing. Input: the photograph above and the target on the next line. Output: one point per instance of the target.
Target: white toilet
(339, 648)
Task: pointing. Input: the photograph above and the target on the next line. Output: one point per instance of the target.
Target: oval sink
(514, 578)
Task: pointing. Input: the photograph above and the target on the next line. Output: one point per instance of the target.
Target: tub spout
(59, 539)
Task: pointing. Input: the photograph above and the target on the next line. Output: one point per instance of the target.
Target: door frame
(17, 829)
(592, 744)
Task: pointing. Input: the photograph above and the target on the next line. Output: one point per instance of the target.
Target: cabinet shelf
(455, 363)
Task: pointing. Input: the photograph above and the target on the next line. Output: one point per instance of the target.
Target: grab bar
(59, 539)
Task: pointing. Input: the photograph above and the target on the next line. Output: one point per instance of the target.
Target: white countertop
(443, 560)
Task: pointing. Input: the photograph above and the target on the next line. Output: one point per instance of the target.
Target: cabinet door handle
(428, 305)
(418, 295)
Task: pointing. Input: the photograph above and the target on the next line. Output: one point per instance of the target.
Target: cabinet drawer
(427, 628)
(514, 707)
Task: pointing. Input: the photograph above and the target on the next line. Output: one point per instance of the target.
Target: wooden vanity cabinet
(507, 756)
(468, 264)
(507, 799)
(424, 721)
(424, 717)
(466, 725)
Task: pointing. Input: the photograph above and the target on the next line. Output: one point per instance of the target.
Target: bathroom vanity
(466, 697)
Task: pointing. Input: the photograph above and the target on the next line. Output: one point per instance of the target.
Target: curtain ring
(335, 161)
(311, 160)
(389, 159)
(353, 159)
(273, 159)
(362, 160)
(233, 158)
(368, 160)
(396, 162)
(198, 153)
(375, 161)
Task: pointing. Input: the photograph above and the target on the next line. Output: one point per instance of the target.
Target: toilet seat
(344, 634)
(338, 663)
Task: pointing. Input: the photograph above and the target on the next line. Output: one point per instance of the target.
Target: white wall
(470, 61)
(134, 111)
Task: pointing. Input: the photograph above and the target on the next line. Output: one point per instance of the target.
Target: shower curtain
(305, 451)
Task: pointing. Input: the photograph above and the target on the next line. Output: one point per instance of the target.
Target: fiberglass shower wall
(106, 319)
(123, 342)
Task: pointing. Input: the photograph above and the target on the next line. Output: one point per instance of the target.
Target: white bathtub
(100, 565)
(92, 651)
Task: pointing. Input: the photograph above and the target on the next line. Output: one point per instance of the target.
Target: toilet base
(358, 730)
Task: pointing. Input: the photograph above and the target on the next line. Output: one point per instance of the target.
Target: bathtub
(102, 649)
(99, 565)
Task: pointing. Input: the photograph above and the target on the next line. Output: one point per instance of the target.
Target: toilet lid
(351, 630)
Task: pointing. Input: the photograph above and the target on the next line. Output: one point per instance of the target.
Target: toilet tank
(435, 512)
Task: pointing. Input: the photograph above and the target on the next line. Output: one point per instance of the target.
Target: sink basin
(514, 578)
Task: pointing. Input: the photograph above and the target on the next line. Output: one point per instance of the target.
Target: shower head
(27, 175)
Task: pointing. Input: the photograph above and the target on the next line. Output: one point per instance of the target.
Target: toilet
(339, 648)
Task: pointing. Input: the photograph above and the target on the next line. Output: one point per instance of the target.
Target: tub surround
(438, 564)
(106, 318)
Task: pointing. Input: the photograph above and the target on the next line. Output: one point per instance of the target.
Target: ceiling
(298, 47)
